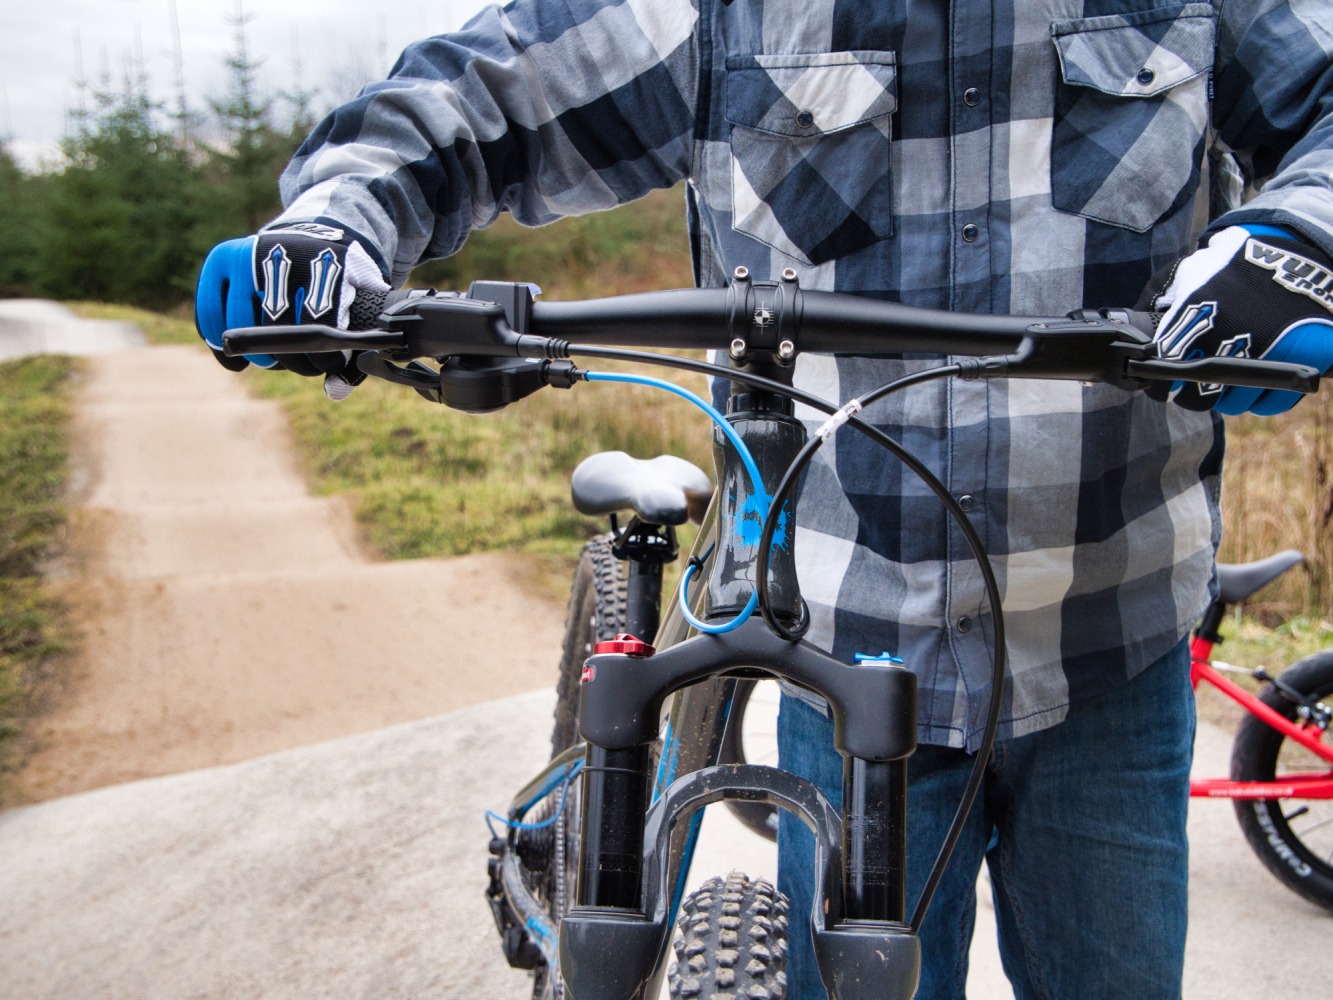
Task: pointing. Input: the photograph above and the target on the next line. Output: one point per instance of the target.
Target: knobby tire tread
(598, 610)
(731, 941)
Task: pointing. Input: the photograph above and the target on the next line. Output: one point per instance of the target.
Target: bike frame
(1299, 786)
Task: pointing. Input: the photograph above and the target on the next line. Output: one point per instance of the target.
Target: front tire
(1292, 837)
(731, 941)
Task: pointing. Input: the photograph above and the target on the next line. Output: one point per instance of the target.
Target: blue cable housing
(763, 500)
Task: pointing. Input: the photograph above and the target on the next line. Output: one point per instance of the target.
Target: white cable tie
(843, 415)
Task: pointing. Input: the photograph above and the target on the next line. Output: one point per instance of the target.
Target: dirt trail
(224, 613)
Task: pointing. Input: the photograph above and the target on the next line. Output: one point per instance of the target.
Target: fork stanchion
(874, 838)
(615, 795)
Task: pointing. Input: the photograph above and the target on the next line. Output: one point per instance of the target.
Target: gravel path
(226, 613)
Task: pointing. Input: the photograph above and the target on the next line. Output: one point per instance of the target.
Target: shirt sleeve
(1273, 106)
(544, 108)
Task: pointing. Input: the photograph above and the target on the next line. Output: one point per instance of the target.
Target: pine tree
(18, 226)
(256, 149)
(118, 216)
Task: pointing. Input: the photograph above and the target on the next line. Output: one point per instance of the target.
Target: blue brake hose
(762, 499)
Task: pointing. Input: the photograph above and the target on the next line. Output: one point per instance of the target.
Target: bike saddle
(1238, 581)
(661, 490)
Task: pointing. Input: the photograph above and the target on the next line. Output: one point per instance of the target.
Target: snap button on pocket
(805, 119)
(1131, 109)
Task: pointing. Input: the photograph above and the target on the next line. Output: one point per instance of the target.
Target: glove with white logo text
(302, 272)
(1251, 292)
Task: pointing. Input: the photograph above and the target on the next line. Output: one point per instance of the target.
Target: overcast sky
(43, 42)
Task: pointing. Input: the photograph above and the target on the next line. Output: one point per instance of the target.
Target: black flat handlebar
(1111, 346)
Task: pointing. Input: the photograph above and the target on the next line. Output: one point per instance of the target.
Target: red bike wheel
(1292, 837)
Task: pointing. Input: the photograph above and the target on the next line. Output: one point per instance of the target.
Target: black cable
(787, 484)
(991, 728)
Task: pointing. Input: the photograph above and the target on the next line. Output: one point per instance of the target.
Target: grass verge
(34, 418)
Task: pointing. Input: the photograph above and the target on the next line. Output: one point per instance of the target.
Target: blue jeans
(1082, 826)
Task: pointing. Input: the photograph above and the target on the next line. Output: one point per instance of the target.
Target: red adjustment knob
(625, 643)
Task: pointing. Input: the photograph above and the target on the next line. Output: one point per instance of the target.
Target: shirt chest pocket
(810, 145)
(1131, 113)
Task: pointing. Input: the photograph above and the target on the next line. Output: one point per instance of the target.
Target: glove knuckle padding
(299, 276)
(1248, 296)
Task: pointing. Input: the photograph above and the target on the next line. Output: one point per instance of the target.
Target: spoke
(1309, 830)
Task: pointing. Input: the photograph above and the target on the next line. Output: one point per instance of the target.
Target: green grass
(34, 415)
(426, 481)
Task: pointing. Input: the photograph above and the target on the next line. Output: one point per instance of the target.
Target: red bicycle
(1281, 780)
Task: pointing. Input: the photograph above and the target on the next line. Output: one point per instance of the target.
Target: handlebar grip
(366, 309)
(1141, 321)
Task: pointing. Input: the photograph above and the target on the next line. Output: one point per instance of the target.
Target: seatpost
(647, 547)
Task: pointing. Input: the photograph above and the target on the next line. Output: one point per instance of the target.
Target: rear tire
(597, 611)
(731, 941)
(1292, 837)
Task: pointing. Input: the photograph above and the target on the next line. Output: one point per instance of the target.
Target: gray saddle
(662, 490)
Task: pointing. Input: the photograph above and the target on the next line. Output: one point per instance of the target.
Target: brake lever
(1251, 372)
(308, 339)
(424, 379)
(490, 321)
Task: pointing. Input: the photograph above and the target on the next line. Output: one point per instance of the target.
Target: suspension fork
(871, 890)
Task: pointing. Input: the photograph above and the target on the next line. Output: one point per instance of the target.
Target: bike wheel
(597, 611)
(731, 940)
(1292, 837)
(751, 737)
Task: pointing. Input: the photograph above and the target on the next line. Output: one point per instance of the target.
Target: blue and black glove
(1251, 292)
(303, 272)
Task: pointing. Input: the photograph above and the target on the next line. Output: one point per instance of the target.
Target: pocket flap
(808, 95)
(1137, 55)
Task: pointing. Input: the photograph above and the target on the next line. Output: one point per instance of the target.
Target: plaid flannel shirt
(1016, 156)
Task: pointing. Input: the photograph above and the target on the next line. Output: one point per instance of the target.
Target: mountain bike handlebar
(501, 321)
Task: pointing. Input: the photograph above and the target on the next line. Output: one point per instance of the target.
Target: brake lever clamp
(1090, 346)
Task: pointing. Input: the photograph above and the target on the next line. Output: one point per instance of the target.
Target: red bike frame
(1313, 786)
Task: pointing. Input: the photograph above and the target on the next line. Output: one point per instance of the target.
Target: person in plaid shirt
(1017, 156)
